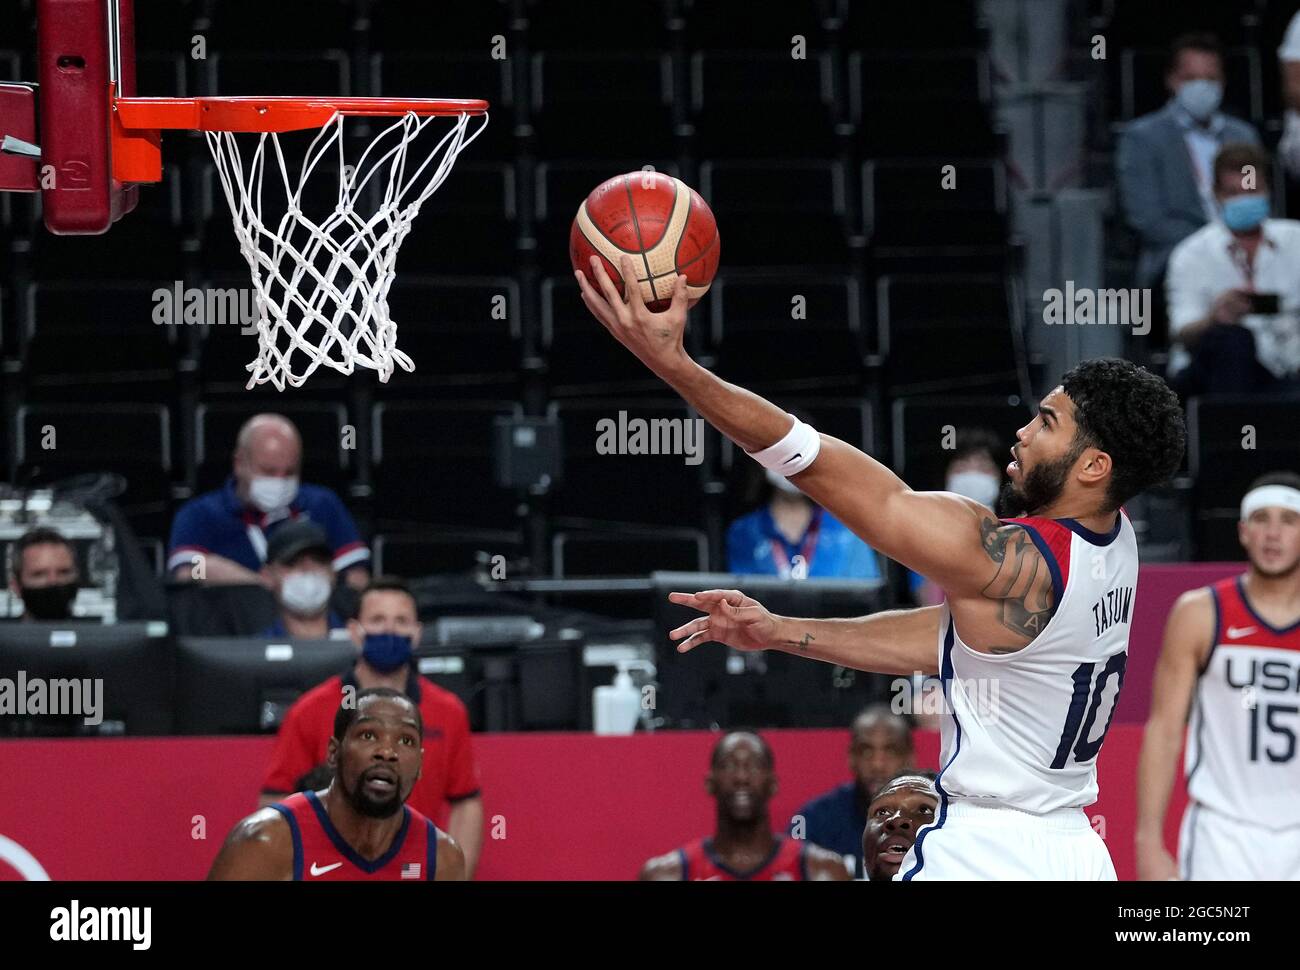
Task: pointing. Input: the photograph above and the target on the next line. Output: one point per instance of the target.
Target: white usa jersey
(1023, 730)
(1241, 758)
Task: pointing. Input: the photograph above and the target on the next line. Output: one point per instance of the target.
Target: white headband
(1279, 496)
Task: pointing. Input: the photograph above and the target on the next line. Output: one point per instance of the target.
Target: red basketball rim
(255, 114)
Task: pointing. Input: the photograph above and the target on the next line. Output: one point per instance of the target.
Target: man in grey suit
(1165, 160)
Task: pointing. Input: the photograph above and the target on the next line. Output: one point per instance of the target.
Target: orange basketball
(661, 222)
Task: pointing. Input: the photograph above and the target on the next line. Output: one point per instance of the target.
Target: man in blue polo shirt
(298, 564)
(221, 536)
(880, 746)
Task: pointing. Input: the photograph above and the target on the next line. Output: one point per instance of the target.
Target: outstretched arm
(900, 642)
(937, 534)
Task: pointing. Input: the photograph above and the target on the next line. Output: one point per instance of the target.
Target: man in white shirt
(1233, 289)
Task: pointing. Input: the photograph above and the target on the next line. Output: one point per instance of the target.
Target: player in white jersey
(1232, 657)
(1038, 608)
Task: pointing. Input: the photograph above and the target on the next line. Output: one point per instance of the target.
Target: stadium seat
(462, 333)
(759, 320)
(1233, 439)
(100, 333)
(411, 25)
(955, 75)
(295, 25)
(628, 553)
(449, 551)
(886, 127)
(558, 24)
(598, 488)
(948, 332)
(771, 214)
(432, 464)
(59, 440)
(733, 24)
(800, 103)
(467, 225)
(920, 25)
(626, 97)
(318, 72)
(940, 202)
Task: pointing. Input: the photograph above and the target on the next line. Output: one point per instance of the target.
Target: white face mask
(305, 593)
(980, 486)
(272, 494)
(1200, 98)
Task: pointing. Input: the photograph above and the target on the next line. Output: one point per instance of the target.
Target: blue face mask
(1242, 213)
(386, 652)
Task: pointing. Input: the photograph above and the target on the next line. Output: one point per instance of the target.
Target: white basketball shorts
(984, 842)
(1212, 846)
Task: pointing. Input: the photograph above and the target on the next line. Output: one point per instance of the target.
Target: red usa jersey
(1023, 730)
(787, 862)
(320, 852)
(1241, 757)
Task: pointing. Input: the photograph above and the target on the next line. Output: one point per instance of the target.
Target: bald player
(899, 809)
(1231, 666)
(880, 746)
(742, 781)
(359, 827)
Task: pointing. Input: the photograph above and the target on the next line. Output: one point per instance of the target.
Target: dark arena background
(928, 212)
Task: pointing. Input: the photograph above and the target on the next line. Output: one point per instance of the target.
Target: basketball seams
(636, 227)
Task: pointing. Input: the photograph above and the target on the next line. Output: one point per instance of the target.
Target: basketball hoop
(321, 278)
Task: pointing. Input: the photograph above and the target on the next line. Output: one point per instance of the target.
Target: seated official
(791, 536)
(302, 578)
(45, 575)
(222, 536)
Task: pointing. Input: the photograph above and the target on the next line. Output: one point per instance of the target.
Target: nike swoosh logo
(321, 870)
(1240, 631)
(795, 458)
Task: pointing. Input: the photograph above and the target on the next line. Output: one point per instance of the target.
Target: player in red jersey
(359, 827)
(742, 781)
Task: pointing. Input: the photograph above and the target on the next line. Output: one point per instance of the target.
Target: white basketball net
(322, 279)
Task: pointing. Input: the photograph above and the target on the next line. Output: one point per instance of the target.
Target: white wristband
(793, 453)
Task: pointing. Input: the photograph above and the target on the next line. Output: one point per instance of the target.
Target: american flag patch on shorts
(411, 871)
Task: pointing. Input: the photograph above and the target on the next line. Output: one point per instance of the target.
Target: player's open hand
(731, 618)
(655, 338)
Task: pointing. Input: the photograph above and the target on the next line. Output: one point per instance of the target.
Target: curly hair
(1133, 416)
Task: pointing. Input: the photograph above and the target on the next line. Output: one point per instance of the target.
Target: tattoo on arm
(1023, 583)
(803, 644)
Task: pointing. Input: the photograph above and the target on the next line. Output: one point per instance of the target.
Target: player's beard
(1038, 488)
(1284, 573)
(369, 807)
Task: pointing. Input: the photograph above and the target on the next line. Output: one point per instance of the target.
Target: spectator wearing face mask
(1164, 160)
(386, 632)
(975, 472)
(789, 535)
(302, 578)
(222, 536)
(45, 575)
(1234, 289)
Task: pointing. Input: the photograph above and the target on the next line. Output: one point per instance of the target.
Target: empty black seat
(622, 487)
(556, 24)
(462, 333)
(251, 72)
(942, 202)
(909, 125)
(467, 225)
(627, 552)
(786, 333)
(432, 463)
(444, 551)
(920, 74)
(1233, 439)
(405, 25)
(594, 105)
(947, 331)
(286, 25)
(113, 334)
(787, 213)
(799, 97)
